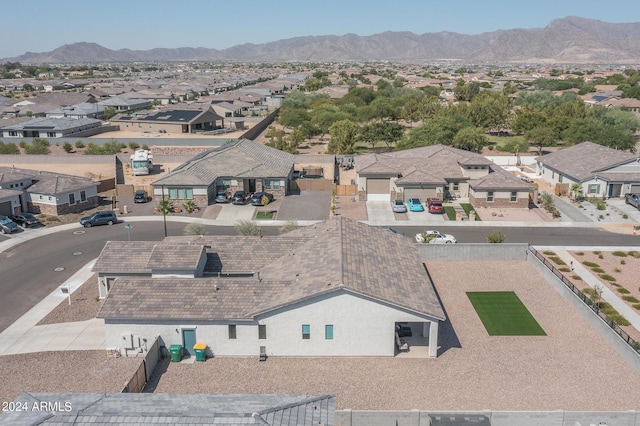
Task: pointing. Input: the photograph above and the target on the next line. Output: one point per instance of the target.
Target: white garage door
(378, 190)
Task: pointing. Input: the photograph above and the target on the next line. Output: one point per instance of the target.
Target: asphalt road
(27, 271)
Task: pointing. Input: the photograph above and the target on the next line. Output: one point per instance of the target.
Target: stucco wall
(360, 328)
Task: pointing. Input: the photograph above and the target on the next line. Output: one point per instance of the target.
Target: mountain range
(567, 40)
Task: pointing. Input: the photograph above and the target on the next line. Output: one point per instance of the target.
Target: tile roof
(500, 180)
(240, 159)
(177, 409)
(592, 157)
(137, 257)
(335, 255)
(44, 182)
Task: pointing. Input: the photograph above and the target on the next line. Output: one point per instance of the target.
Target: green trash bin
(176, 353)
(201, 351)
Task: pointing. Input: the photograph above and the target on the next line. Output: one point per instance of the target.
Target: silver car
(398, 206)
(7, 226)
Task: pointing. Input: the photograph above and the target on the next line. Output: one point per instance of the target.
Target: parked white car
(435, 237)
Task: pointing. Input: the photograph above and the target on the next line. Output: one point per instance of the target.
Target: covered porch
(416, 339)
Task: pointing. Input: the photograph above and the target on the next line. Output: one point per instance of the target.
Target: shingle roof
(335, 255)
(53, 124)
(582, 161)
(240, 159)
(177, 409)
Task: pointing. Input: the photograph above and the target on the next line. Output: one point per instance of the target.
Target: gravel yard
(69, 371)
(84, 305)
(572, 368)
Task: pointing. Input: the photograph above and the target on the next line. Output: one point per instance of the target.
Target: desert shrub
(596, 252)
(634, 253)
(247, 228)
(619, 253)
(630, 299)
(134, 145)
(189, 206)
(145, 146)
(38, 146)
(622, 262)
(79, 144)
(622, 290)
(613, 314)
(290, 225)
(607, 277)
(580, 253)
(576, 277)
(557, 260)
(52, 219)
(496, 237)
(67, 147)
(617, 270)
(598, 270)
(22, 144)
(564, 269)
(636, 306)
(600, 256)
(194, 229)
(590, 264)
(549, 253)
(10, 148)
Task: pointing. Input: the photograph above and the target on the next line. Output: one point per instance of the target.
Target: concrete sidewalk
(25, 336)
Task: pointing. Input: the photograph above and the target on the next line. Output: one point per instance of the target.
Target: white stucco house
(337, 288)
(600, 171)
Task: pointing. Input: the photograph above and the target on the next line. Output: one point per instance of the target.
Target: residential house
(46, 192)
(84, 110)
(336, 288)
(599, 170)
(175, 121)
(126, 104)
(45, 127)
(439, 171)
(241, 165)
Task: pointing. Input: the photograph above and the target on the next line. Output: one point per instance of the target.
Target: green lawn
(503, 314)
(450, 212)
(468, 208)
(265, 215)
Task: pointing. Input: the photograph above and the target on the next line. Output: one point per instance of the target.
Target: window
(560, 178)
(490, 196)
(262, 331)
(12, 133)
(328, 332)
(72, 199)
(271, 184)
(232, 331)
(181, 193)
(553, 175)
(83, 195)
(455, 186)
(226, 183)
(594, 188)
(306, 331)
(51, 134)
(514, 197)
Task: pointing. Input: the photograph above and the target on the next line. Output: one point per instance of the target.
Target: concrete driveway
(308, 205)
(232, 213)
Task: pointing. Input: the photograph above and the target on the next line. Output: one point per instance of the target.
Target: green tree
(439, 130)
(489, 110)
(108, 112)
(411, 111)
(540, 137)
(343, 137)
(527, 118)
(470, 139)
(466, 91)
(293, 117)
(67, 147)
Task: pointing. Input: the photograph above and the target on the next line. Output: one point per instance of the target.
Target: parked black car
(258, 198)
(240, 197)
(140, 196)
(25, 219)
(106, 217)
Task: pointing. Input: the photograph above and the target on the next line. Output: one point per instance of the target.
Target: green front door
(188, 340)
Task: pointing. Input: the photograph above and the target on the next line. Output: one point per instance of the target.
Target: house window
(83, 195)
(72, 199)
(594, 188)
(328, 332)
(262, 331)
(41, 197)
(455, 186)
(181, 193)
(514, 197)
(560, 178)
(13, 133)
(553, 175)
(51, 134)
(490, 196)
(226, 183)
(232, 331)
(306, 331)
(272, 184)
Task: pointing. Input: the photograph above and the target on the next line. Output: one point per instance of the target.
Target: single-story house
(148, 408)
(46, 192)
(52, 128)
(84, 110)
(601, 171)
(172, 121)
(241, 165)
(336, 288)
(439, 171)
(126, 104)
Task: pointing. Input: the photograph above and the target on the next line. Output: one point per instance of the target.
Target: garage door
(635, 189)
(420, 193)
(378, 190)
(5, 208)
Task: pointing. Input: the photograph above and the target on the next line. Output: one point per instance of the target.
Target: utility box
(176, 353)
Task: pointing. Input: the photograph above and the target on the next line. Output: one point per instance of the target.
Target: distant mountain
(568, 40)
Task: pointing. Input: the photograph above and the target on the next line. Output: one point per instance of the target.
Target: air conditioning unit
(127, 341)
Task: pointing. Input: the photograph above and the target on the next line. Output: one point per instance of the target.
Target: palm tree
(576, 189)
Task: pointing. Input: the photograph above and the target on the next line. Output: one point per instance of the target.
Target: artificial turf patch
(503, 314)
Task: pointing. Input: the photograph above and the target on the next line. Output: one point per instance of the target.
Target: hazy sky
(43, 25)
